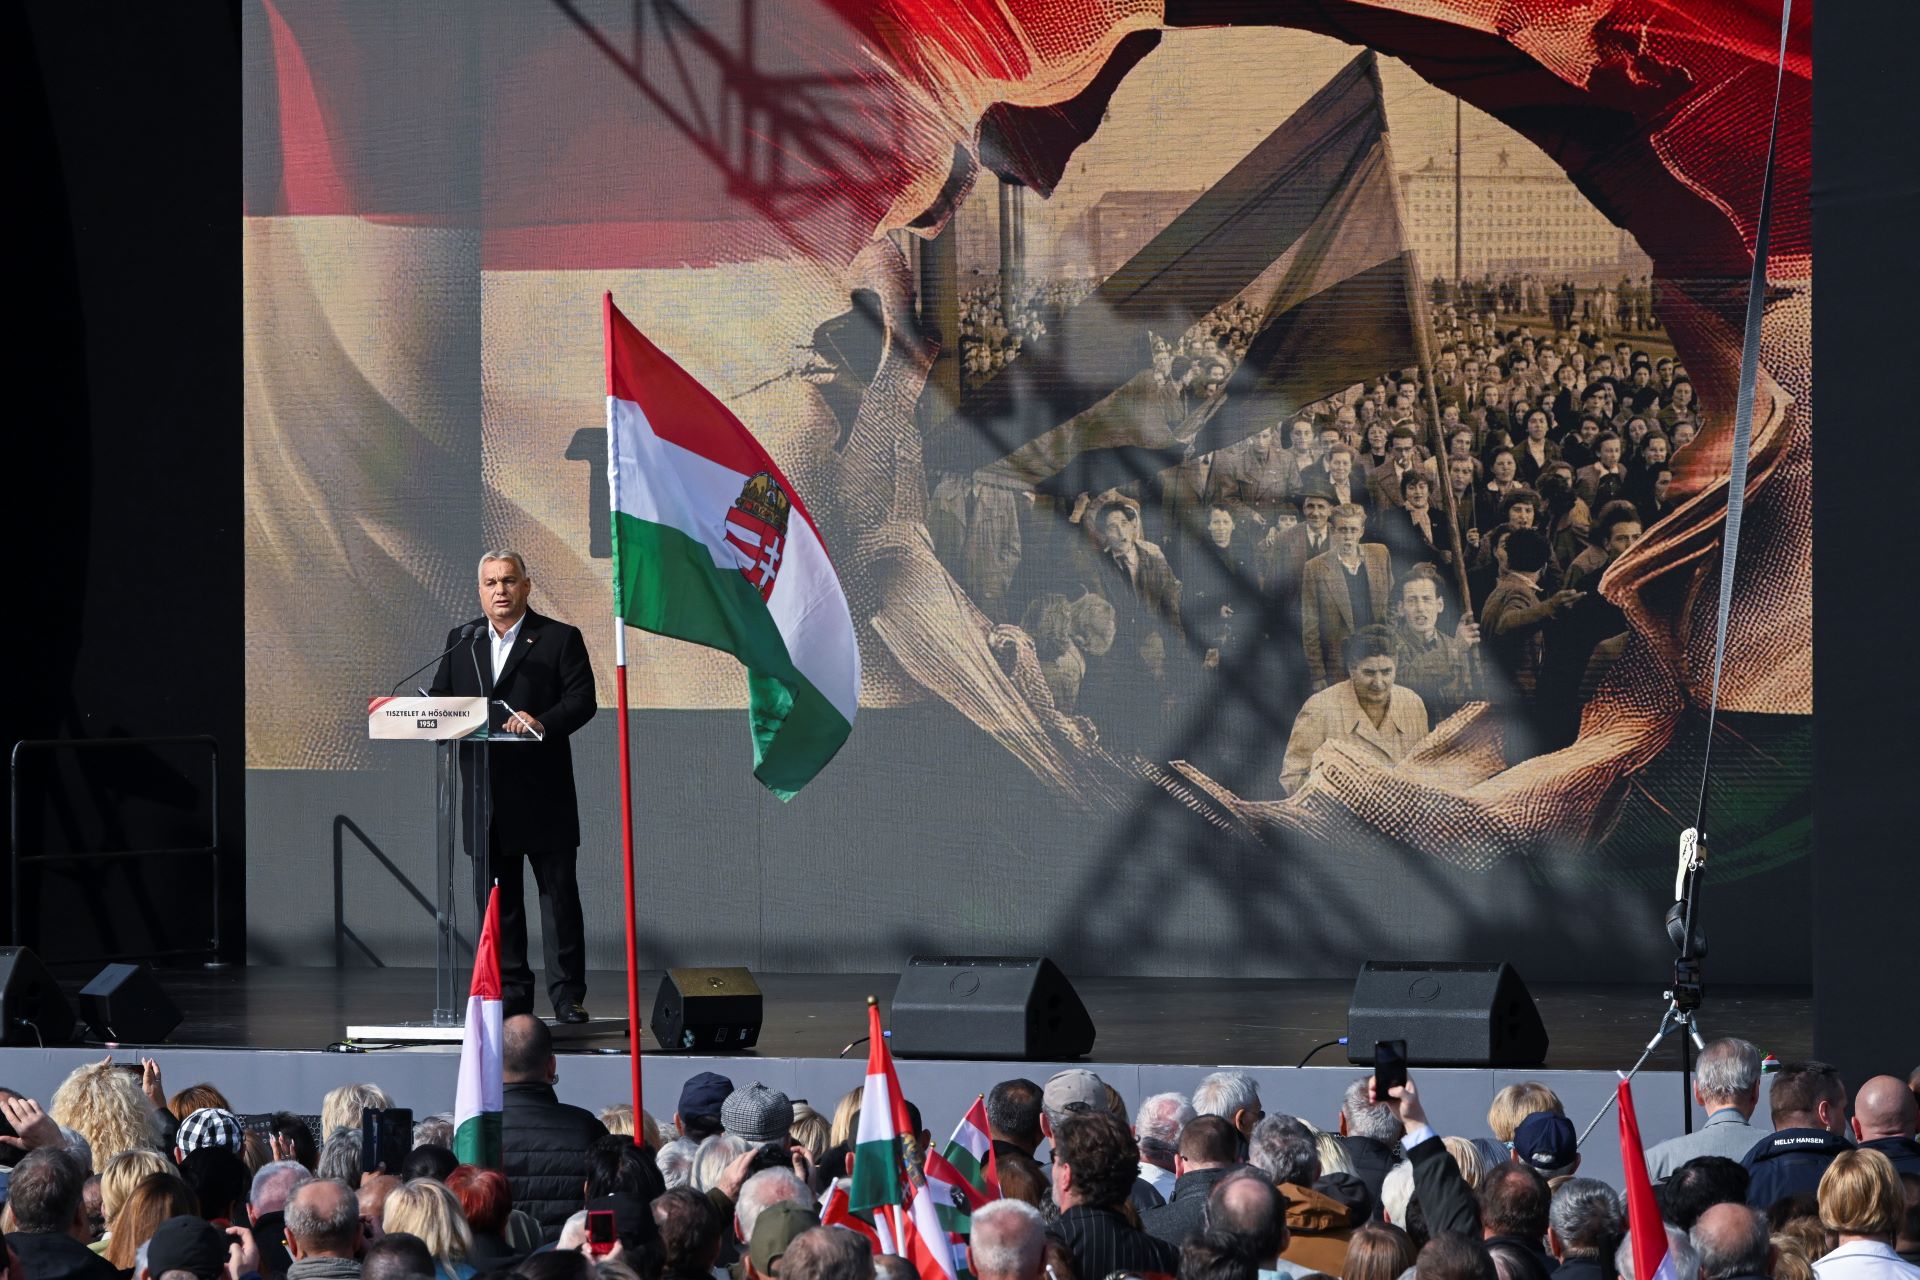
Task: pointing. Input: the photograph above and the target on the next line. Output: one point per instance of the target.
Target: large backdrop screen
(1170, 385)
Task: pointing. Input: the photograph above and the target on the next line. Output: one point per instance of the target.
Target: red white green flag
(966, 1170)
(478, 1093)
(904, 1207)
(712, 545)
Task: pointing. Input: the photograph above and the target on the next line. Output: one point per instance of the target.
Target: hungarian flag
(836, 1212)
(965, 1174)
(898, 1200)
(1306, 228)
(712, 545)
(477, 1097)
(1652, 1259)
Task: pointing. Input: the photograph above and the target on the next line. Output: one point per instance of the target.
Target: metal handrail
(211, 851)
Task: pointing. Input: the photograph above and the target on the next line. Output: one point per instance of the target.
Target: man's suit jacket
(1326, 611)
(548, 676)
(1289, 558)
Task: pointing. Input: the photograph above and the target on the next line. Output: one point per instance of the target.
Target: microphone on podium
(466, 633)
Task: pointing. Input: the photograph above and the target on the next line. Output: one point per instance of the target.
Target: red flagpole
(626, 763)
(626, 842)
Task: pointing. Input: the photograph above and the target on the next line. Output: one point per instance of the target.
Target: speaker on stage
(709, 1009)
(1450, 1015)
(1015, 1007)
(124, 1004)
(33, 1009)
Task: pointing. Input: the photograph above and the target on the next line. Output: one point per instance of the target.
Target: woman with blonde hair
(122, 1174)
(154, 1199)
(105, 1105)
(846, 1120)
(1862, 1204)
(430, 1210)
(342, 1107)
(1467, 1158)
(619, 1119)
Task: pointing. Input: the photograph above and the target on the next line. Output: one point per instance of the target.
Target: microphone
(466, 633)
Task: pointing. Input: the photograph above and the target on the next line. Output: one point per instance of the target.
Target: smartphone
(1389, 1066)
(602, 1232)
(386, 1138)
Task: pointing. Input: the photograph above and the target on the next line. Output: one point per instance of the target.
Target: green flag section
(712, 545)
(477, 1095)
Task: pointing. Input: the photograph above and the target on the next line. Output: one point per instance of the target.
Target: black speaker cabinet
(124, 1004)
(33, 1009)
(1009, 1007)
(707, 1009)
(1450, 1015)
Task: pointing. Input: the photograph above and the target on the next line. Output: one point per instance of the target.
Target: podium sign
(426, 719)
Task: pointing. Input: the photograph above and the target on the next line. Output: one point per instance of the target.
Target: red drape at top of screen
(813, 133)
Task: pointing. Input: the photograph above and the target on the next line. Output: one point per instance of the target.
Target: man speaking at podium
(538, 667)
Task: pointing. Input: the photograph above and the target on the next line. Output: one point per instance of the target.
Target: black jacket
(1532, 1248)
(543, 1148)
(1904, 1152)
(1789, 1161)
(53, 1255)
(1103, 1242)
(1585, 1269)
(1446, 1201)
(1184, 1215)
(548, 676)
(1372, 1161)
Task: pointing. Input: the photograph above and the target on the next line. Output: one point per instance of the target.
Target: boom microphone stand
(1686, 991)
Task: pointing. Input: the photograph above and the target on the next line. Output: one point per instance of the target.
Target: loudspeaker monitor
(707, 1009)
(1009, 1007)
(33, 1009)
(1450, 1015)
(124, 1004)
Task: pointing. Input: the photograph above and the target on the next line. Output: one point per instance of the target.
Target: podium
(450, 724)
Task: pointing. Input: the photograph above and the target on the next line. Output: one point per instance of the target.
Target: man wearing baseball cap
(1547, 1144)
(698, 1116)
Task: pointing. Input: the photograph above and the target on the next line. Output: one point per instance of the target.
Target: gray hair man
(1008, 1241)
(1732, 1243)
(1726, 1082)
(763, 1190)
(1157, 1127)
(827, 1253)
(1286, 1153)
(1371, 1133)
(273, 1186)
(323, 1231)
(1231, 1095)
(1584, 1224)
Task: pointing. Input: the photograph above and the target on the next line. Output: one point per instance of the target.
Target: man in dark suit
(536, 673)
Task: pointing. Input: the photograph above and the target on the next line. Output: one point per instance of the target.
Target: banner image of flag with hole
(1652, 1258)
(712, 545)
(478, 1094)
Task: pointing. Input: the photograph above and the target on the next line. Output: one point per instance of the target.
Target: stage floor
(1187, 1021)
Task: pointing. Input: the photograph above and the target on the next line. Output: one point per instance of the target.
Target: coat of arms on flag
(757, 529)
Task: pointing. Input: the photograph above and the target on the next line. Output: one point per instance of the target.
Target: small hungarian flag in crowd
(477, 1097)
(966, 1170)
(898, 1201)
(1652, 1259)
(712, 545)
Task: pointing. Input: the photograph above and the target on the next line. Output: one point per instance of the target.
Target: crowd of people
(117, 1178)
(1627, 306)
(992, 332)
(1459, 530)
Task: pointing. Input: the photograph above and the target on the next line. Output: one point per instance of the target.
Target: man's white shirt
(503, 644)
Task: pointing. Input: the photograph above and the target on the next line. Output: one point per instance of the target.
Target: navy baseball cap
(702, 1095)
(1547, 1143)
